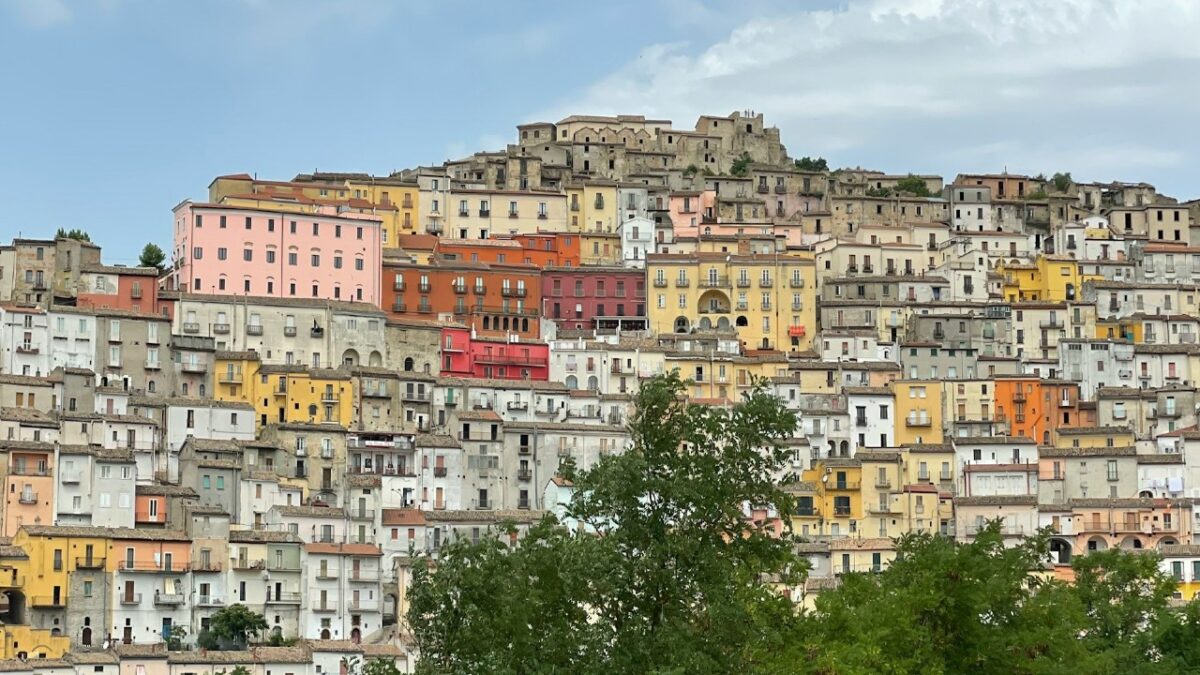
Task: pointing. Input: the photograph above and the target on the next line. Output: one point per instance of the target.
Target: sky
(114, 111)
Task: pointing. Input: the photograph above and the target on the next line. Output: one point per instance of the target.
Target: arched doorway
(1097, 543)
(723, 323)
(704, 324)
(325, 634)
(1060, 551)
(350, 358)
(355, 636)
(1132, 543)
(845, 448)
(681, 324)
(742, 322)
(376, 359)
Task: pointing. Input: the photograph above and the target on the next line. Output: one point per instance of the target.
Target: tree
(914, 185)
(76, 234)
(666, 573)
(691, 170)
(234, 625)
(1062, 181)
(380, 666)
(812, 164)
(153, 256)
(175, 637)
(741, 165)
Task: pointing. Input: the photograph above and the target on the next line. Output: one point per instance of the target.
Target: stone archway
(1060, 551)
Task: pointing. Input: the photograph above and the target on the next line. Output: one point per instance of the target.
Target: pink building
(239, 251)
(464, 355)
(689, 210)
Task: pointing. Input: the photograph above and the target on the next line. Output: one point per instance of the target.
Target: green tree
(175, 637)
(666, 574)
(153, 256)
(1062, 181)
(76, 234)
(913, 185)
(741, 165)
(380, 666)
(812, 164)
(233, 626)
(691, 170)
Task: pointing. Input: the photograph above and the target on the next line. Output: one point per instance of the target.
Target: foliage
(677, 587)
(1062, 181)
(175, 637)
(205, 639)
(691, 170)
(982, 608)
(379, 666)
(879, 192)
(277, 640)
(812, 164)
(1037, 195)
(913, 185)
(709, 172)
(741, 165)
(76, 234)
(153, 256)
(235, 625)
(237, 670)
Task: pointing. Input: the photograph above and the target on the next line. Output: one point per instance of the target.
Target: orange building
(115, 287)
(494, 299)
(1036, 408)
(29, 486)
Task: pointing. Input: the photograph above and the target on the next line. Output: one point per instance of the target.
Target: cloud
(1091, 86)
(41, 13)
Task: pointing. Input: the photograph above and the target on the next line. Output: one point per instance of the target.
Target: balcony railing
(168, 598)
(152, 567)
(439, 472)
(210, 601)
(283, 598)
(220, 328)
(254, 329)
(193, 367)
(918, 421)
(28, 498)
(524, 474)
(92, 563)
(131, 599)
(231, 377)
(191, 327)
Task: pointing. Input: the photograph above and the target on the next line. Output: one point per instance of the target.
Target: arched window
(408, 364)
(572, 382)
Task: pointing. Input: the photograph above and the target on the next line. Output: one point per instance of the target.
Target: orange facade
(135, 289)
(29, 490)
(495, 300)
(1036, 408)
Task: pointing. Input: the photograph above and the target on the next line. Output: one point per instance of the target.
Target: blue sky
(115, 110)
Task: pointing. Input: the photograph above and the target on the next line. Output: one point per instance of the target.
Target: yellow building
(1052, 278)
(483, 214)
(392, 201)
(829, 499)
(861, 554)
(600, 248)
(285, 394)
(769, 300)
(918, 411)
(592, 206)
(56, 561)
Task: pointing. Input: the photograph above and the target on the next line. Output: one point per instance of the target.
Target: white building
(24, 341)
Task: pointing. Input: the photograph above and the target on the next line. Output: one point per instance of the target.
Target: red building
(467, 356)
(545, 249)
(496, 300)
(116, 287)
(595, 297)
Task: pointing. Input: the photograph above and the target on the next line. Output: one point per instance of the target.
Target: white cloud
(41, 13)
(1096, 87)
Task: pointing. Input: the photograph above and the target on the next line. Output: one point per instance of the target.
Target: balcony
(845, 485)
(860, 421)
(364, 576)
(210, 601)
(316, 331)
(766, 282)
(780, 189)
(715, 282)
(484, 213)
(70, 476)
(206, 566)
(230, 377)
(439, 472)
(482, 504)
(743, 282)
(92, 563)
(511, 292)
(152, 567)
(525, 450)
(883, 483)
(1018, 397)
(398, 285)
(28, 498)
(153, 364)
(131, 599)
(283, 598)
(423, 286)
(26, 348)
(523, 503)
(327, 607)
(425, 308)
(254, 329)
(682, 283)
(918, 421)
(220, 328)
(841, 510)
(191, 327)
(1052, 322)
(376, 392)
(289, 331)
(881, 509)
(524, 474)
(168, 599)
(480, 289)
(399, 307)
(660, 283)
(808, 512)
(763, 189)
(330, 397)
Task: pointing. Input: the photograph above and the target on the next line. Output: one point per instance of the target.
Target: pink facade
(690, 210)
(239, 251)
(467, 356)
(604, 298)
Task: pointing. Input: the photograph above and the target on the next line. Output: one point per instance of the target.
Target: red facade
(603, 298)
(467, 356)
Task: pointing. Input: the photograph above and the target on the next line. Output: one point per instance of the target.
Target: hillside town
(333, 375)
